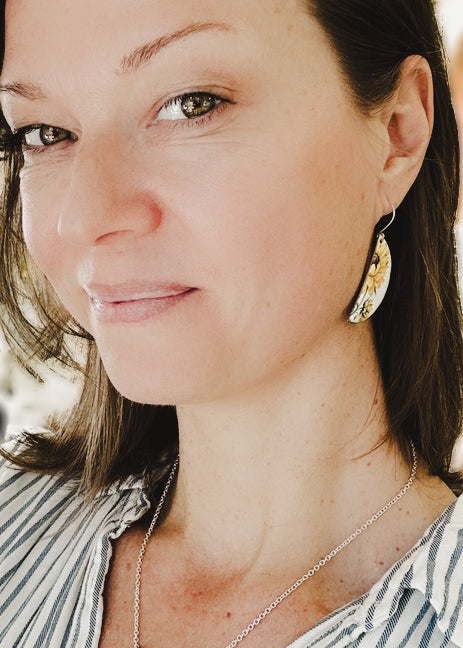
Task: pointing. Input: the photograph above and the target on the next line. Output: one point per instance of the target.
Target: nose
(106, 202)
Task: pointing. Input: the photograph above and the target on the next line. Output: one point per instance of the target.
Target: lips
(134, 301)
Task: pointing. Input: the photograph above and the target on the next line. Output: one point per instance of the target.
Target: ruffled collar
(432, 567)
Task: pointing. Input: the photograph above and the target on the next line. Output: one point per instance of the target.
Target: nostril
(112, 236)
(120, 239)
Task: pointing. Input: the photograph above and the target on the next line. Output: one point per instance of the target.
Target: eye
(41, 136)
(188, 106)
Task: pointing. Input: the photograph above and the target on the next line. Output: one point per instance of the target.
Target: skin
(267, 209)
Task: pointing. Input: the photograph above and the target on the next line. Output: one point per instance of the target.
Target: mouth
(134, 303)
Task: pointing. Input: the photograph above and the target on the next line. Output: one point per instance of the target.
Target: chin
(163, 387)
(148, 393)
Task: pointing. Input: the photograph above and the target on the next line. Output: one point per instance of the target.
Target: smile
(117, 304)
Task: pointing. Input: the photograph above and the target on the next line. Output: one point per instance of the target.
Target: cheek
(286, 225)
(270, 233)
(41, 197)
(39, 220)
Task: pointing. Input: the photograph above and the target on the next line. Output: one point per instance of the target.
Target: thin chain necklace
(244, 633)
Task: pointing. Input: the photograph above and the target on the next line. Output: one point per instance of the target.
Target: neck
(260, 470)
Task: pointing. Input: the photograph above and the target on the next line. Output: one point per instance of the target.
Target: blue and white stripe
(55, 553)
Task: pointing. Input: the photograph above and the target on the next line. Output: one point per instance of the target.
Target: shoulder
(35, 506)
(29, 495)
(54, 552)
(29, 502)
(14, 482)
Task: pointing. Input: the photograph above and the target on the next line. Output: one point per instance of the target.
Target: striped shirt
(55, 553)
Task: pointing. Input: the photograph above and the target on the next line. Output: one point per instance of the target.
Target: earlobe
(409, 120)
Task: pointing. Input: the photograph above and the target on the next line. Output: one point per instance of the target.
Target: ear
(408, 118)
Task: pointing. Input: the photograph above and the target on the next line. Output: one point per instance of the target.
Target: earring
(376, 281)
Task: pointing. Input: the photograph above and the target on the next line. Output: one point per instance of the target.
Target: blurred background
(24, 401)
(450, 13)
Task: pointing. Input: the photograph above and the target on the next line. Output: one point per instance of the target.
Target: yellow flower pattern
(366, 309)
(378, 268)
(375, 284)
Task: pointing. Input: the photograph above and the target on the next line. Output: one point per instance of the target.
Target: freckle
(268, 304)
(369, 464)
(322, 405)
(397, 548)
(290, 28)
(381, 562)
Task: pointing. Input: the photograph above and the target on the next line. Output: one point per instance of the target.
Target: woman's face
(205, 200)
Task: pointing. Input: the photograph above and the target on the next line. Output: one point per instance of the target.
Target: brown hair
(417, 330)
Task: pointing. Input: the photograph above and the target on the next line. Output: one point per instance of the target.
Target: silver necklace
(244, 633)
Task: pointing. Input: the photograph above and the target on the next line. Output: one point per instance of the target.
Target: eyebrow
(145, 53)
(27, 90)
(129, 63)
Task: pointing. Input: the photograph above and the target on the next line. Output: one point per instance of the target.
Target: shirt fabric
(55, 554)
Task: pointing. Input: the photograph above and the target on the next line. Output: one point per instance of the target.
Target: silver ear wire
(390, 222)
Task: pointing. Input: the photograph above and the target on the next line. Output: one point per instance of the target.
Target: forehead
(37, 30)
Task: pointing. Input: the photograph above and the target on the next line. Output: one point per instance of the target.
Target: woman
(202, 186)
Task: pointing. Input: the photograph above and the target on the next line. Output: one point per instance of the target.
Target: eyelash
(195, 121)
(200, 119)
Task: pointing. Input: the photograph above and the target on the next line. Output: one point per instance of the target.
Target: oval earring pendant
(375, 285)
